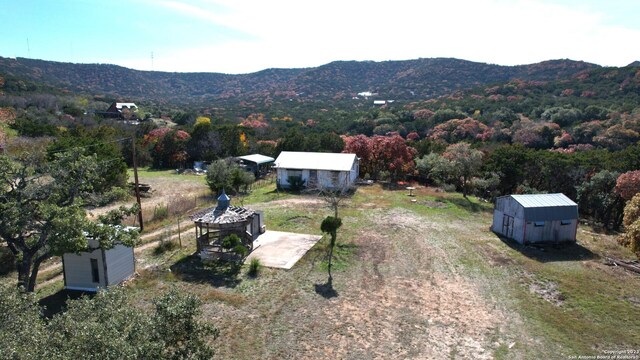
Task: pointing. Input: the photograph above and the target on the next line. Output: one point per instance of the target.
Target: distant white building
(117, 109)
(536, 218)
(325, 170)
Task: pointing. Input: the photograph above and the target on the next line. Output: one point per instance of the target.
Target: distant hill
(410, 79)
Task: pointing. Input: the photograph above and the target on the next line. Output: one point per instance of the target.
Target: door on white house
(313, 178)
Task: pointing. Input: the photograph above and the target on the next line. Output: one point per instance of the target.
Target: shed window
(538, 223)
(95, 274)
(565, 222)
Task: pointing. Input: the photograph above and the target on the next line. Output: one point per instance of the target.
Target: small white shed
(92, 270)
(326, 170)
(536, 218)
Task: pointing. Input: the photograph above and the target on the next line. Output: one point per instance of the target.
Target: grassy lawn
(415, 277)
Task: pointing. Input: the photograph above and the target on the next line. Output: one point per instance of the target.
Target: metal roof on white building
(315, 161)
(543, 200)
(547, 206)
(257, 158)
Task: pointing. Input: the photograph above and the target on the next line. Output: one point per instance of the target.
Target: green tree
(330, 225)
(241, 179)
(101, 141)
(226, 174)
(41, 213)
(219, 175)
(465, 163)
(631, 237)
(109, 325)
(597, 198)
(22, 331)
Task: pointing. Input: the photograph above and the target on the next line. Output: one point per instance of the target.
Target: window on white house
(294, 173)
(538, 223)
(565, 222)
(335, 177)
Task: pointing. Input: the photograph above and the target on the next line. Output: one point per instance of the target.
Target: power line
(87, 146)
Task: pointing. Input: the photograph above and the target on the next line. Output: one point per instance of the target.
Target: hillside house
(324, 170)
(98, 268)
(119, 110)
(536, 218)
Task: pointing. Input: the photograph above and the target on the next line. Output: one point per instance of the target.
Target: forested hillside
(410, 79)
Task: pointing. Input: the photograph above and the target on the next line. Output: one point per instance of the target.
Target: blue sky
(240, 36)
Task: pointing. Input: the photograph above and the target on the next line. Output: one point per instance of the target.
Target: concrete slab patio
(277, 249)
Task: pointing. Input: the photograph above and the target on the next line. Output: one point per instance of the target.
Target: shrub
(163, 247)
(241, 250)
(161, 212)
(231, 241)
(254, 267)
(296, 183)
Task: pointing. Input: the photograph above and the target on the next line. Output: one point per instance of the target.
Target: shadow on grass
(393, 186)
(551, 252)
(7, 261)
(326, 290)
(469, 205)
(213, 272)
(57, 303)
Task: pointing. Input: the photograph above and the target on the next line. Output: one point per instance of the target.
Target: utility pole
(136, 184)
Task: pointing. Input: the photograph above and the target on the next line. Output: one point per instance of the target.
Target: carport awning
(257, 158)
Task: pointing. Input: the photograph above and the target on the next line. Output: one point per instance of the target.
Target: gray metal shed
(98, 268)
(536, 218)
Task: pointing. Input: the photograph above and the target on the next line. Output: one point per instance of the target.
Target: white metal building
(536, 218)
(326, 170)
(92, 270)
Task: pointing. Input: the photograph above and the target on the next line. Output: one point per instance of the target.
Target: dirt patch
(547, 290)
(412, 318)
(432, 204)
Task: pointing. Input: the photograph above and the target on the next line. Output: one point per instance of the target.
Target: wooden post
(179, 237)
(136, 184)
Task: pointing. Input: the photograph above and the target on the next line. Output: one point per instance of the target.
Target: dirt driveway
(402, 298)
(410, 302)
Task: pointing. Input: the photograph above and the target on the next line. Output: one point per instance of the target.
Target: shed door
(507, 226)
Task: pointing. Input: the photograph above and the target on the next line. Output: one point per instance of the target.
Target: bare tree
(335, 197)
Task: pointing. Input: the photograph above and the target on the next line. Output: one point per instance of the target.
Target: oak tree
(42, 214)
